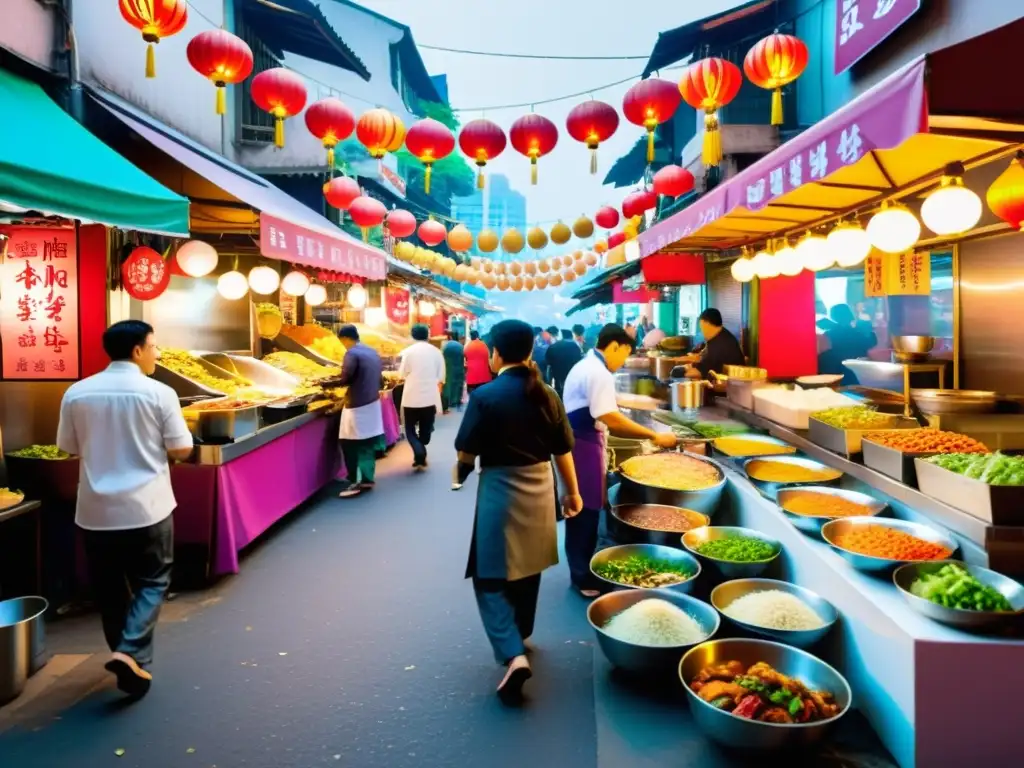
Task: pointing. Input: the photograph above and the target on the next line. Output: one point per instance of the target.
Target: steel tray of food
(989, 487)
(288, 344)
(893, 453)
(189, 375)
(261, 374)
(841, 430)
(674, 479)
(222, 420)
(770, 474)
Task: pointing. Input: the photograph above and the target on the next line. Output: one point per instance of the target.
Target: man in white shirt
(423, 374)
(124, 426)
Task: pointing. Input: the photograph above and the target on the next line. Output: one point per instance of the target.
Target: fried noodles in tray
(672, 471)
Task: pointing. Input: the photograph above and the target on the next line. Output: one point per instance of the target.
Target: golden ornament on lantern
(776, 61)
(512, 241)
(155, 19)
(1005, 197)
(537, 239)
(707, 86)
(487, 241)
(583, 228)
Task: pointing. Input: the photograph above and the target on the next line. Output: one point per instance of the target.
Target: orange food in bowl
(812, 504)
(890, 544)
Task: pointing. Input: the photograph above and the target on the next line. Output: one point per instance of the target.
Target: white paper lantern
(952, 209)
(264, 280)
(316, 295)
(356, 296)
(295, 283)
(765, 266)
(813, 252)
(894, 229)
(427, 309)
(196, 258)
(788, 261)
(742, 270)
(232, 285)
(848, 244)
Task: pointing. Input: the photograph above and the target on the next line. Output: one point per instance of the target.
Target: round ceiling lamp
(894, 229)
(427, 309)
(316, 295)
(765, 266)
(295, 283)
(356, 296)
(788, 260)
(742, 270)
(196, 258)
(952, 209)
(264, 280)
(849, 244)
(813, 253)
(232, 285)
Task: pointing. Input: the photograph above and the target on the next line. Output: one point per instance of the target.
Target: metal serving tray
(995, 504)
(741, 391)
(186, 387)
(213, 426)
(286, 344)
(895, 464)
(847, 442)
(262, 375)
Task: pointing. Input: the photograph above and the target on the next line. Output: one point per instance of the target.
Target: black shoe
(131, 678)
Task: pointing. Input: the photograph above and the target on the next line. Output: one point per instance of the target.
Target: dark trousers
(130, 572)
(360, 458)
(580, 545)
(471, 387)
(419, 425)
(507, 610)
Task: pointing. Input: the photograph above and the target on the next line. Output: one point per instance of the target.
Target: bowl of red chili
(881, 544)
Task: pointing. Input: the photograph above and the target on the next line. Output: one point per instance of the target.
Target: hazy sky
(565, 27)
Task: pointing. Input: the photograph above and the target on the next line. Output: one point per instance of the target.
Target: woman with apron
(593, 411)
(514, 424)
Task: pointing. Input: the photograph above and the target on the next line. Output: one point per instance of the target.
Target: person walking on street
(455, 373)
(423, 370)
(478, 362)
(362, 419)
(124, 427)
(579, 336)
(559, 360)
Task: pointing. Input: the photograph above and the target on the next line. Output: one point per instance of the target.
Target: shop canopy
(228, 199)
(892, 141)
(51, 165)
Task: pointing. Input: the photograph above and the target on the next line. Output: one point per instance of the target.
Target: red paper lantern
(432, 232)
(155, 19)
(366, 212)
(341, 191)
(331, 122)
(429, 141)
(280, 92)
(221, 58)
(650, 103)
(380, 132)
(773, 62)
(592, 122)
(481, 141)
(1005, 197)
(616, 239)
(401, 223)
(533, 136)
(673, 181)
(144, 274)
(708, 85)
(607, 217)
(638, 202)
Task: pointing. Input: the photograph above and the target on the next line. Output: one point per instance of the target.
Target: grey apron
(514, 533)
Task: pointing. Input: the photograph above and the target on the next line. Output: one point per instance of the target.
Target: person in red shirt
(478, 365)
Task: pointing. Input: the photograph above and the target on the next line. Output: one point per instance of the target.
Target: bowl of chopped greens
(734, 552)
(646, 566)
(959, 594)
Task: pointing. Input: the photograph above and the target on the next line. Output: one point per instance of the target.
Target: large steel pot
(688, 394)
(663, 366)
(704, 501)
(22, 643)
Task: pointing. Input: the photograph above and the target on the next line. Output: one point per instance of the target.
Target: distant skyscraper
(496, 207)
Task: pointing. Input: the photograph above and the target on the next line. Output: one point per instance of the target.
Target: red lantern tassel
(712, 149)
(279, 132)
(426, 180)
(222, 101)
(777, 106)
(150, 61)
(533, 170)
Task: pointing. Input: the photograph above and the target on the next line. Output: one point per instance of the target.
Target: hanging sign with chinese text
(909, 274)
(39, 304)
(862, 24)
(144, 274)
(396, 302)
(874, 274)
(280, 239)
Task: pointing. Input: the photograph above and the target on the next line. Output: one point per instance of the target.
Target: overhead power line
(546, 57)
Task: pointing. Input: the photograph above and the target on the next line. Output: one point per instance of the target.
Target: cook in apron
(581, 531)
(362, 436)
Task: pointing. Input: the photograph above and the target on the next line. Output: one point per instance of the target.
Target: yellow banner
(909, 274)
(874, 274)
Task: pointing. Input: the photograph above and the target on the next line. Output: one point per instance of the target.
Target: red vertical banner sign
(92, 296)
(787, 339)
(396, 304)
(39, 323)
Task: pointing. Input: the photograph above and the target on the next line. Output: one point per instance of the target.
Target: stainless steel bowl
(645, 659)
(813, 523)
(677, 557)
(771, 488)
(628, 533)
(728, 568)
(766, 439)
(1013, 591)
(723, 596)
(938, 401)
(834, 528)
(704, 501)
(913, 345)
(732, 731)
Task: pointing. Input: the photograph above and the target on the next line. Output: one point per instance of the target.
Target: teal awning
(51, 164)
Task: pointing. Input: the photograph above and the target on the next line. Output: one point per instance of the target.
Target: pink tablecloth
(392, 430)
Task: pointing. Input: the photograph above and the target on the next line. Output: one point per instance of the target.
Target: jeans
(131, 572)
(419, 424)
(507, 610)
(580, 545)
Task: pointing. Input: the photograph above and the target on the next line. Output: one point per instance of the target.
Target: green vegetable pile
(993, 468)
(713, 429)
(854, 417)
(640, 571)
(736, 549)
(953, 586)
(49, 452)
(782, 697)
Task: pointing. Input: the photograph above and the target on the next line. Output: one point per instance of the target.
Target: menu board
(39, 320)
(874, 274)
(909, 274)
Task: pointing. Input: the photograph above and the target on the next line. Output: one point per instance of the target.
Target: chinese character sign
(862, 24)
(39, 304)
(874, 274)
(909, 274)
(396, 302)
(280, 239)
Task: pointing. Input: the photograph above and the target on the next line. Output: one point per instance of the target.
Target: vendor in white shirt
(589, 398)
(423, 374)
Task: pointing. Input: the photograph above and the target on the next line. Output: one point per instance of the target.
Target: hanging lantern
(331, 122)
(648, 104)
(280, 92)
(580, 268)
(516, 283)
(560, 234)
(952, 209)
(569, 275)
(555, 280)
(814, 253)
(481, 141)
(405, 251)
(533, 136)
(512, 241)
(708, 85)
(773, 62)
(570, 258)
(529, 283)
(487, 241)
(460, 239)
(591, 259)
(1005, 197)
(155, 19)
(380, 132)
(196, 258)
(765, 266)
(615, 240)
(894, 229)
(637, 203)
(264, 280)
(401, 223)
(461, 273)
(591, 123)
(316, 295)
(355, 297)
(515, 268)
(600, 246)
(530, 267)
(341, 191)
(503, 282)
(541, 282)
(543, 265)
(849, 244)
(366, 213)
(789, 262)
(295, 283)
(607, 217)
(537, 239)
(583, 228)
(473, 277)
(429, 141)
(221, 58)
(742, 270)
(432, 232)
(232, 285)
(673, 181)
(488, 281)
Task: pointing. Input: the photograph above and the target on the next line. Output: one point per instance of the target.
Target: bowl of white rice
(775, 609)
(647, 630)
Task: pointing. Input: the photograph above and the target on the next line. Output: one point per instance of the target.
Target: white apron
(363, 422)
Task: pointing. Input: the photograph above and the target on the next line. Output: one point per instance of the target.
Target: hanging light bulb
(196, 258)
(356, 296)
(765, 266)
(427, 309)
(788, 260)
(894, 229)
(952, 209)
(232, 285)
(849, 244)
(743, 269)
(264, 280)
(316, 295)
(295, 283)
(814, 253)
